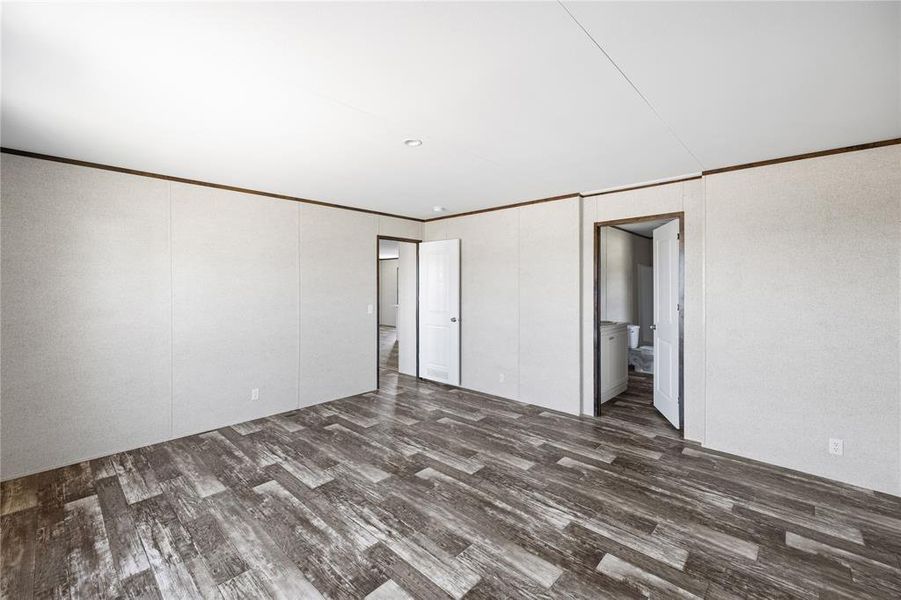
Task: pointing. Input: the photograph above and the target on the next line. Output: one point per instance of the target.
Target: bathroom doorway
(639, 314)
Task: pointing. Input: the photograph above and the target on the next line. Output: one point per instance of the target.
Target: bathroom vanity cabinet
(614, 347)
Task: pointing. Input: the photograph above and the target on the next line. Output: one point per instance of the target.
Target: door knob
(453, 319)
(653, 327)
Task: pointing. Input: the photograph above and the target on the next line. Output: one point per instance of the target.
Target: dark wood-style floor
(388, 348)
(427, 492)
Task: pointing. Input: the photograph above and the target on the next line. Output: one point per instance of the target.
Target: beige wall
(489, 303)
(135, 310)
(86, 314)
(519, 309)
(803, 324)
(234, 307)
(791, 307)
(338, 351)
(549, 305)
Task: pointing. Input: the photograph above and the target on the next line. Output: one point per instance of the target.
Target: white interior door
(666, 321)
(439, 311)
(645, 303)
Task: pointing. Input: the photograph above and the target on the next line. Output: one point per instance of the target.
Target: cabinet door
(609, 363)
(624, 355)
(617, 351)
(605, 363)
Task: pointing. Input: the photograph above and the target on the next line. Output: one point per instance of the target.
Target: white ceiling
(389, 249)
(513, 101)
(643, 228)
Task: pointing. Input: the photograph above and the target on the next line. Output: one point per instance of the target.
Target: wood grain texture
(388, 348)
(422, 491)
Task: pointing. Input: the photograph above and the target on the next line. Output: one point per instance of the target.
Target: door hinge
(678, 236)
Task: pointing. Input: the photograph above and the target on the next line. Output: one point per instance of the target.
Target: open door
(666, 321)
(439, 311)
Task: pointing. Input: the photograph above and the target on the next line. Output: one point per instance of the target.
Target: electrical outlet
(836, 446)
(255, 394)
(369, 309)
(501, 377)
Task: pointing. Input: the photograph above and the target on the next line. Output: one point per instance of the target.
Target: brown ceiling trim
(775, 161)
(219, 186)
(504, 207)
(641, 187)
(81, 163)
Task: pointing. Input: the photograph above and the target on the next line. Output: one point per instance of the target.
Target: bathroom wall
(621, 253)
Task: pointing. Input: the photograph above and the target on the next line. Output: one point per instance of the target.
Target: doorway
(639, 315)
(397, 308)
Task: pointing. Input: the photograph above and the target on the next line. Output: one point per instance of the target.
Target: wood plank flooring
(388, 348)
(420, 491)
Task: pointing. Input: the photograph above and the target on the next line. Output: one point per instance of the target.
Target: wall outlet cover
(836, 446)
(255, 394)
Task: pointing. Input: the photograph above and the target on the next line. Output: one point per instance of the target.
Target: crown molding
(219, 186)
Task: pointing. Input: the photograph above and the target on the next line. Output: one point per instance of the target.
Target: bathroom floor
(638, 402)
(642, 359)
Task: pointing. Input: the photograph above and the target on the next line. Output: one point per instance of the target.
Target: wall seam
(519, 304)
(581, 271)
(683, 293)
(299, 300)
(171, 320)
(632, 84)
(704, 442)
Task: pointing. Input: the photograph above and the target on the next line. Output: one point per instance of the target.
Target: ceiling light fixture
(412, 142)
(439, 209)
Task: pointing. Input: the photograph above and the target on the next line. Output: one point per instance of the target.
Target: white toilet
(634, 330)
(641, 358)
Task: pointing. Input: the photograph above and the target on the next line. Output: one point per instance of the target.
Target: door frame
(597, 304)
(378, 300)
